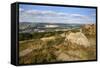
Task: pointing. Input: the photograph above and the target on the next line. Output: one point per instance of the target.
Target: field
(57, 46)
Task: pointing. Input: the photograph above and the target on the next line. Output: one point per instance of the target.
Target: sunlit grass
(49, 50)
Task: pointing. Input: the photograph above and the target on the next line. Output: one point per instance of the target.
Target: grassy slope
(55, 50)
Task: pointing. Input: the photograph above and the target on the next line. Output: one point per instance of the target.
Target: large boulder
(77, 38)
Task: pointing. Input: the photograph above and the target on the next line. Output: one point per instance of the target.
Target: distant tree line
(37, 35)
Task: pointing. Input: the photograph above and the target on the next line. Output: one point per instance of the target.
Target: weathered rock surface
(89, 29)
(78, 38)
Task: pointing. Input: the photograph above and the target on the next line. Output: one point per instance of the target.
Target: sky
(56, 14)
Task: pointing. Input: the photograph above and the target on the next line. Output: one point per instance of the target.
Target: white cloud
(79, 16)
(51, 17)
(21, 9)
(39, 11)
(46, 12)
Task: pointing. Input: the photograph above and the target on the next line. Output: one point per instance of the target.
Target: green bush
(25, 36)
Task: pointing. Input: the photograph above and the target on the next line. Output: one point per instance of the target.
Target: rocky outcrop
(89, 29)
(48, 38)
(77, 38)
